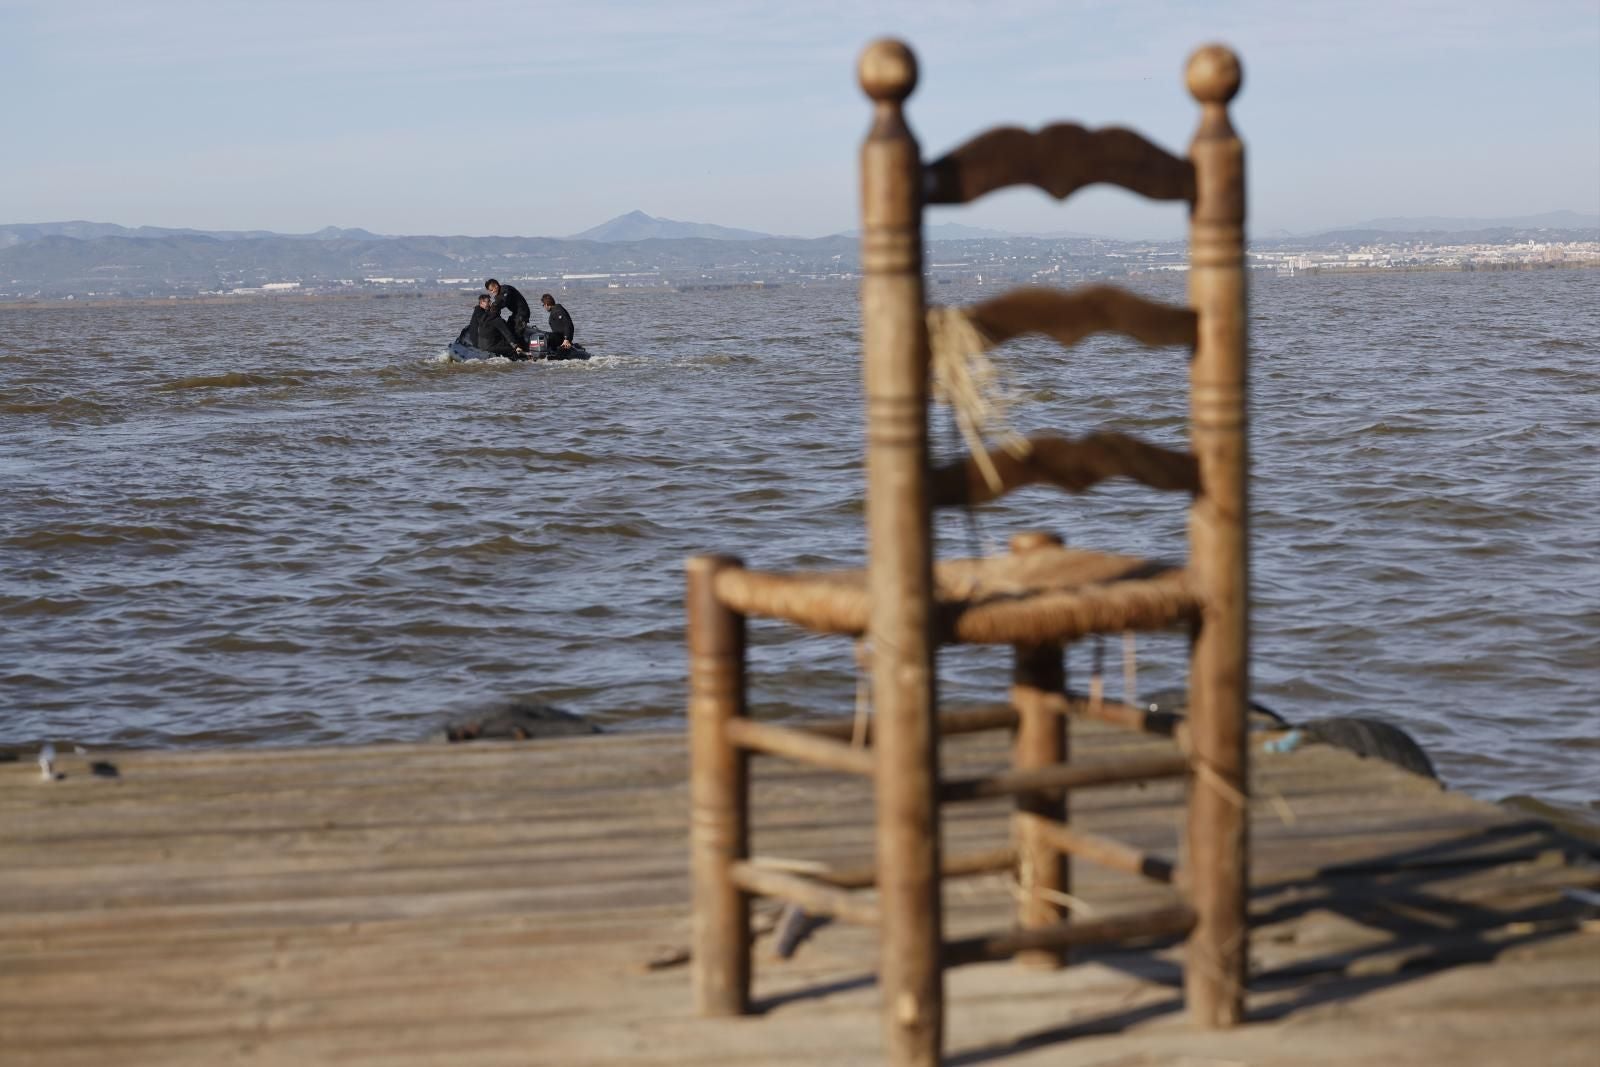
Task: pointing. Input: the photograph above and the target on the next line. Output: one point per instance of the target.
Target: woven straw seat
(1049, 594)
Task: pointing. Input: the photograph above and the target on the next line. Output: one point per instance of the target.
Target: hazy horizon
(1412, 224)
(548, 119)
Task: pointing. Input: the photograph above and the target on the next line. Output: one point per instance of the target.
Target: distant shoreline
(753, 286)
(320, 298)
(1452, 268)
(223, 299)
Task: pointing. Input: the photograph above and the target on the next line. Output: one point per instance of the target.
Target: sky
(535, 117)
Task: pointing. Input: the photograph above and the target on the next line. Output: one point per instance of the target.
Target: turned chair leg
(719, 833)
(1044, 872)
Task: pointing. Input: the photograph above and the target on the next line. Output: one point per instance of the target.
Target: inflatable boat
(537, 342)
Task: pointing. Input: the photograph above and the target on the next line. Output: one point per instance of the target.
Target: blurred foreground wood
(503, 904)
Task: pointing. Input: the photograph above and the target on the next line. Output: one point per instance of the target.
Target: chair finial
(888, 70)
(1213, 74)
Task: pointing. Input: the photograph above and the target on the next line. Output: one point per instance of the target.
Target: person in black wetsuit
(489, 333)
(506, 296)
(562, 331)
(469, 332)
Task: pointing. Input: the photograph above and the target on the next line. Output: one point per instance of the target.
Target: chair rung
(995, 859)
(957, 721)
(1061, 776)
(814, 896)
(1102, 850)
(1118, 713)
(803, 745)
(1172, 921)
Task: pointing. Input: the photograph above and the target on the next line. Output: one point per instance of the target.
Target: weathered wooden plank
(283, 907)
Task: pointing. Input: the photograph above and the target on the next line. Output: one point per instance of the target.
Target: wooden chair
(1036, 598)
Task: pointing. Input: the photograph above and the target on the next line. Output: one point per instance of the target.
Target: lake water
(289, 523)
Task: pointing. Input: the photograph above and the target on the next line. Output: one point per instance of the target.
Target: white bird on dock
(47, 762)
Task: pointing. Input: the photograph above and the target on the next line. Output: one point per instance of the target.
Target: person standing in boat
(562, 331)
(489, 333)
(506, 296)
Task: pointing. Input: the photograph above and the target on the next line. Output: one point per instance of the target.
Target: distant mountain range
(55, 259)
(955, 231)
(24, 232)
(1550, 220)
(950, 231)
(43, 260)
(637, 226)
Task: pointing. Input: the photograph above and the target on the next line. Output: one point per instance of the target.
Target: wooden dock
(527, 904)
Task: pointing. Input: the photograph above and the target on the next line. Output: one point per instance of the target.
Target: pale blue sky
(532, 117)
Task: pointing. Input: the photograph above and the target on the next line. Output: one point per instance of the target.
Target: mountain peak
(637, 226)
(348, 233)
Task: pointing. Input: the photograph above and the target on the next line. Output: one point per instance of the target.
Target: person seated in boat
(469, 332)
(506, 296)
(489, 333)
(562, 331)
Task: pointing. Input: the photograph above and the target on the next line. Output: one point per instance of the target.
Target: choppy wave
(98, 536)
(64, 407)
(235, 379)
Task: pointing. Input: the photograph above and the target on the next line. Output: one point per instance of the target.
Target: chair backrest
(895, 187)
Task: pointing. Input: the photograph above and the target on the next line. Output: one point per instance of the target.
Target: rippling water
(289, 523)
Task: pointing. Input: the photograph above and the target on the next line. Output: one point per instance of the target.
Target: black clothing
(489, 333)
(561, 322)
(496, 337)
(508, 297)
(469, 333)
(561, 327)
